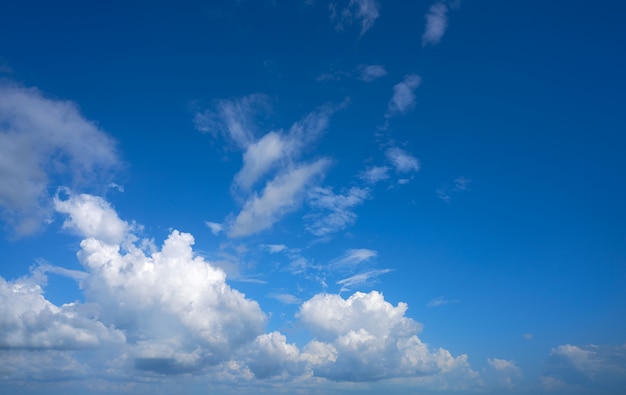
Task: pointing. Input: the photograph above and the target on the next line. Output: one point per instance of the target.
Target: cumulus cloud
(403, 98)
(42, 139)
(402, 161)
(436, 24)
(281, 195)
(31, 322)
(333, 212)
(91, 216)
(598, 367)
(175, 309)
(366, 338)
(371, 72)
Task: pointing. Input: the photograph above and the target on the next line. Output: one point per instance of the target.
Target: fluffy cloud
(401, 160)
(365, 338)
(41, 138)
(175, 308)
(403, 98)
(31, 322)
(371, 72)
(333, 212)
(436, 24)
(589, 368)
(281, 195)
(91, 216)
(375, 174)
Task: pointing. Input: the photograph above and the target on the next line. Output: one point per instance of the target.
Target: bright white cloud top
(312, 197)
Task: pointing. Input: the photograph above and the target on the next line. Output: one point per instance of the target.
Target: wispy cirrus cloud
(401, 160)
(280, 196)
(446, 192)
(333, 212)
(440, 301)
(364, 11)
(361, 278)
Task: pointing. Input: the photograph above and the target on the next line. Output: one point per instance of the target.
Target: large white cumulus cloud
(176, 309)
(371, 339)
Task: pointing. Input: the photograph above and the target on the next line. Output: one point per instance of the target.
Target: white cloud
(234, 119)
(91, 216)
(279, 149)
(502, 373)
(403, 98)
(367, 339)
(599, 368)
(446, 192)
(360, 278)
(42, 138)
(436, 24)
(375, 174)
(259, 158)
(285, 298)
(365, 11)
(271, 355)
(31, 322)
(216, 228)
(371, 72)
(402, 161)
(280, 196)
(333, 212)
(440, 301)
(274, 248)
(352, 258)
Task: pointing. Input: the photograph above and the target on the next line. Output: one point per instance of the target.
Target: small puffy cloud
(216, 228)
(371, 72)
(259, 158)
(365, 338)
(234, 119)
(333, 212)
(91, 216)
(42, 138)
(280, 196)
(436, 24)
(402, 161)
(375, 174)
(403, 98)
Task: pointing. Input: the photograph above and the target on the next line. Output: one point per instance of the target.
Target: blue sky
(331, 197)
